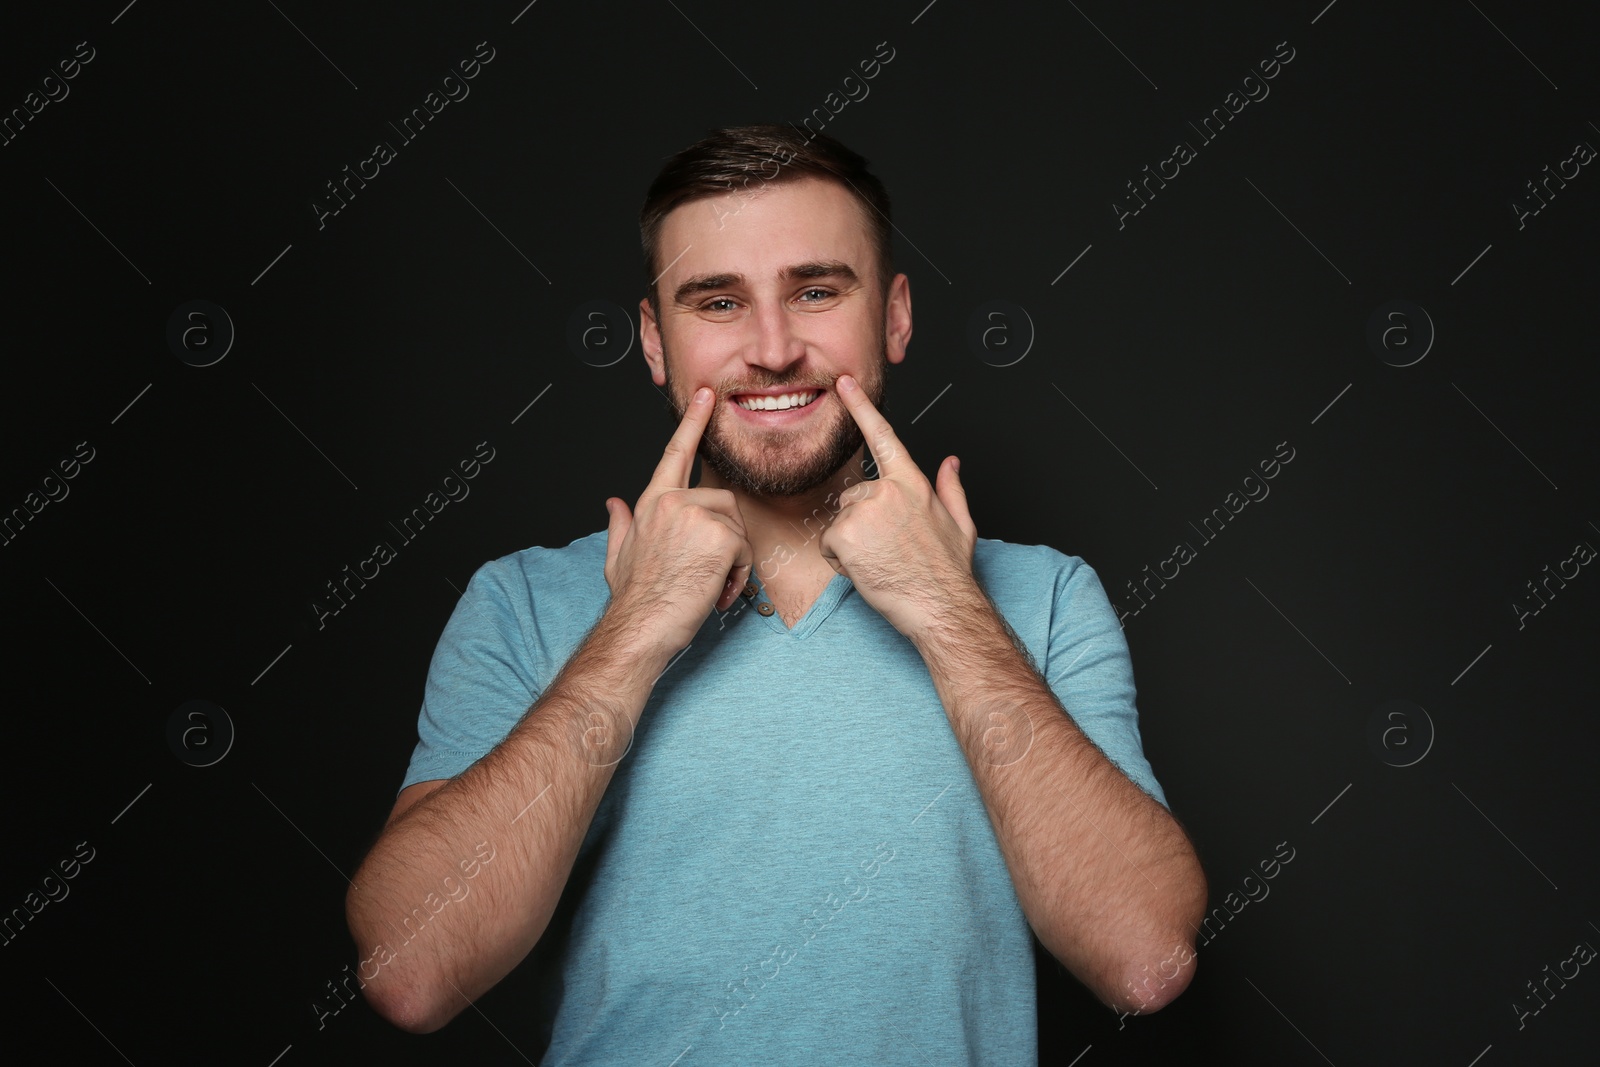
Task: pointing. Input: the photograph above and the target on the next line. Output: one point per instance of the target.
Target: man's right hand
(680, 551)
(667, 562)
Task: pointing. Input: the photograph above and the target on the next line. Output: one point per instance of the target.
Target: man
(768, 757)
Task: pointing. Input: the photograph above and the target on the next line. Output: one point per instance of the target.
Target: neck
(786, 531)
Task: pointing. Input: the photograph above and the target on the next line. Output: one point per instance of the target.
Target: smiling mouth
(782, 402)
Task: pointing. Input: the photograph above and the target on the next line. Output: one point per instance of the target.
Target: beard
(779, 463)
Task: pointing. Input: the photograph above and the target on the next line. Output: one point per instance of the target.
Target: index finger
(887, 451)
(677, 461)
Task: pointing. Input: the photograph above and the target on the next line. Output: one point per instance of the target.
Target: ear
(650, 341)
(897, 318)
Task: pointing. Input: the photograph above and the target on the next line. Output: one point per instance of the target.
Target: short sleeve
(480, 680)
(1089, 668)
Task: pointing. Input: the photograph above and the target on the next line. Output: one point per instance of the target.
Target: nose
(776, 345)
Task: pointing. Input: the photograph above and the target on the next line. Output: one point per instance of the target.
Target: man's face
(773, 293)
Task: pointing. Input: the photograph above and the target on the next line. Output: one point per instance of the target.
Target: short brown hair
(735, 157)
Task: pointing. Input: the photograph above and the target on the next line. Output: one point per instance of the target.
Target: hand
(906, 546)
(681, 550)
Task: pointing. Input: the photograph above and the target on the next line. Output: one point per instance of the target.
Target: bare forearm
(437, 937)
(1107, 878)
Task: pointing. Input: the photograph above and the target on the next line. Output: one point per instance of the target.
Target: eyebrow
(832, 268)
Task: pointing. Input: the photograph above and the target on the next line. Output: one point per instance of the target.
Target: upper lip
(781, 391)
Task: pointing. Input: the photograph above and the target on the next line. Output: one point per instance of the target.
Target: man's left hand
(906, 545)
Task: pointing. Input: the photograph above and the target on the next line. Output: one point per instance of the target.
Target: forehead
(758, 230)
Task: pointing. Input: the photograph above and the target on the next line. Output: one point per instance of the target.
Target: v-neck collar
(820, 608)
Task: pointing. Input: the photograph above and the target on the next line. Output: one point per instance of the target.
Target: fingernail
(701, 395)
(846, 382)
(955, 465)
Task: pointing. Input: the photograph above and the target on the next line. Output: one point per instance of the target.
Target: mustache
(794, 384)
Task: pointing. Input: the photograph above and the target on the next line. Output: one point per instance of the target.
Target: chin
(782, 469)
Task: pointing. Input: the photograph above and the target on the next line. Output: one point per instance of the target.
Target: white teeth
(777, 403)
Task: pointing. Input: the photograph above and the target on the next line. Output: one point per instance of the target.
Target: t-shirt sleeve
(1091, 672)
(480, 682)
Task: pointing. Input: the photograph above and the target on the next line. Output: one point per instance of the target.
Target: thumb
(620, 522)
(953, 495)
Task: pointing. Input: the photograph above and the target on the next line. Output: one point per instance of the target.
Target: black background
(1229, 315)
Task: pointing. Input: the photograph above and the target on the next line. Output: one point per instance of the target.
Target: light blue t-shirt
(792, 863)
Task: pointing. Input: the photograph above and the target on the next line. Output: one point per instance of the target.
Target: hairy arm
(441, 924)
(531, 799)
(1105, 875)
